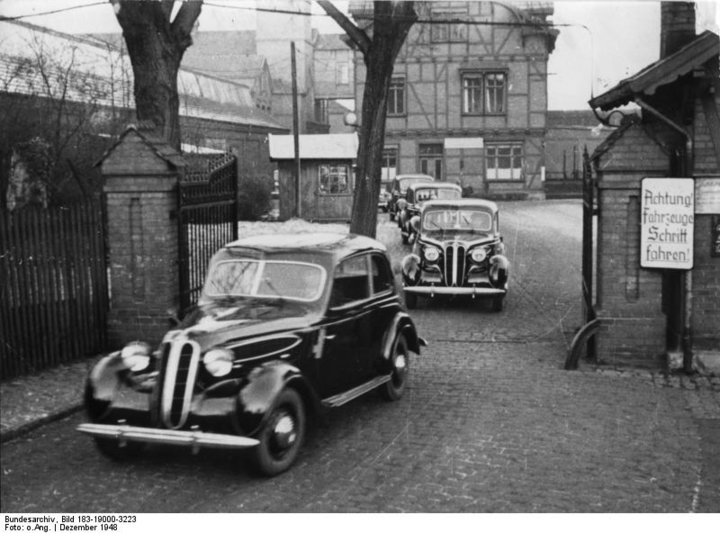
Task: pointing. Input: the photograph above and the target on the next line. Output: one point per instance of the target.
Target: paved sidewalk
(31, 401)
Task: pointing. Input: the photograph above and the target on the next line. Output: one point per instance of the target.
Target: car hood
(213, 325)
(445, 237)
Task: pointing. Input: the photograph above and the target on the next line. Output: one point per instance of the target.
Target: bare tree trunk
(372, 140)
(156, 46)
(391, 23)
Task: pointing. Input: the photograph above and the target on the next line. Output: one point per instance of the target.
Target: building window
(484, 93)
(504, 161)
(472, 93)
(342, 74)
(396, 98)
(334, 179)
(389, 167)
(431, 160)
(322, 114)
(448, 33)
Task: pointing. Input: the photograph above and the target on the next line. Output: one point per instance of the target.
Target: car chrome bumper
(193, 438)
(471, 291)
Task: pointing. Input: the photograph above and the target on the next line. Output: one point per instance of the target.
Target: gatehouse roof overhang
(663, 72)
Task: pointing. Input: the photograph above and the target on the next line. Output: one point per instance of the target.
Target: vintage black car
(399, 185)
(459, 252)
(415, 197)
(286, 326)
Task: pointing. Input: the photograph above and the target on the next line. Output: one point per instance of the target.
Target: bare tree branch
(356, 35)
(184, 21)
(166, 7)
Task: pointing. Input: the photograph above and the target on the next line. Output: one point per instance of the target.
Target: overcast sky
(605, 41)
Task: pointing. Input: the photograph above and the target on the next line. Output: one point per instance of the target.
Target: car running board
(345, 397)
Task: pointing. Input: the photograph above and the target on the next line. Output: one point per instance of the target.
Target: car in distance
(458, 251)
(415, 196)
(384, 196)
(399, 185)
(285, 327)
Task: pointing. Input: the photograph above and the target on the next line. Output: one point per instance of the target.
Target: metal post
(296, 132)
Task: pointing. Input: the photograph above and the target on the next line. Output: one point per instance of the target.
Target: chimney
(677, 26)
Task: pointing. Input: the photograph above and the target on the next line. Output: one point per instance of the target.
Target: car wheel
(113, 449)
(393, 389)
(411, 300)
(497, 303)
(281, 436)
(404, 238)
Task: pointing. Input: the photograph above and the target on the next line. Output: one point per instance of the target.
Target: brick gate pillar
(629, 298)
(140, 176)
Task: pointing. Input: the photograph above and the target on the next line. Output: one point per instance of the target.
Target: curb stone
(13, 433)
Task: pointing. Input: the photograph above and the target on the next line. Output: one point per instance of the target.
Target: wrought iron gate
(207, 218)
(584, 340)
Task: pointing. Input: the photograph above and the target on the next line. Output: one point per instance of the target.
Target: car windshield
(266, 279)
(457, 220)
(422, 195)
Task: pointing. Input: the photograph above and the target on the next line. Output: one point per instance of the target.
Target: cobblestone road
(490, 423)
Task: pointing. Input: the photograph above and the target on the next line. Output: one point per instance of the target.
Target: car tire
(112, 449)
(497, 303)
(404, 238)
(281, 436)
(392, 215)
(393, 389)
(411, 300)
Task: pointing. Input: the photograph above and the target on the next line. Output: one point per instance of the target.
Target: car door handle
(329, 337)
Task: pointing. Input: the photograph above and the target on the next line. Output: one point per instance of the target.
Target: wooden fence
(54, 291)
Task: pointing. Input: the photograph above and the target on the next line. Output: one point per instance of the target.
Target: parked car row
(457, 246)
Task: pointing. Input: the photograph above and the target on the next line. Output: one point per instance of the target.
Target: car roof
(414, 176)
(338, 245)
(434, 185)
(464, 202)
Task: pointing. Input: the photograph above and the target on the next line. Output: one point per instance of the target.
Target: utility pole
(296, 133)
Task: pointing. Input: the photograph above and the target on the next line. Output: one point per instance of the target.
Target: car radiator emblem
(178, 384)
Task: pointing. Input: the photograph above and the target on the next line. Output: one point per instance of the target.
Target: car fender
(102, 383)
(401, 323)
(410, 267)
(104, 377)
(499, 270)
(257, 396)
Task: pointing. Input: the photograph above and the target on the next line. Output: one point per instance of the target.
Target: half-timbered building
(468, 98)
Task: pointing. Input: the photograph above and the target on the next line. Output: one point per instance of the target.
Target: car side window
(382, 279)
(350, 281)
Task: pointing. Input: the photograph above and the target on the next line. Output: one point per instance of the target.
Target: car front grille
(179, 372)
(455, 261)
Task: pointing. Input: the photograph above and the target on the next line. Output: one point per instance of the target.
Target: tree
(156, 42)
(58, 115)
(391, 22)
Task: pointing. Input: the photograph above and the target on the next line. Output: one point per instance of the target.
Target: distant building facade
(468, 101)
(87, 85)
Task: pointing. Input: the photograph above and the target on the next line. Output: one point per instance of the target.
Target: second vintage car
(399, 185)
(286, 326)
(415, 196)
(459, 251)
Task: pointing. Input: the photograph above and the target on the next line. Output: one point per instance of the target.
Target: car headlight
(218, 362)
(136, 356)
(478, 254)
(431, 254)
